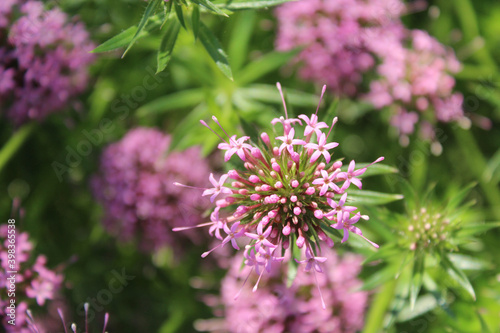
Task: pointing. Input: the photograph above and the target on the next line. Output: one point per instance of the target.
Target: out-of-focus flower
(361, 48)
(135, 186)
(295, 309)
(33, 283)
(43, 60)
(337, 36)
(415, 81)
(286, 196)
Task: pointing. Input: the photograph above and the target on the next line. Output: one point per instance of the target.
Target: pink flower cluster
(291, 193)
(416, 80)
(43, 60)
(135, 186)
(33, 281)
(276, 308)
(347, 43)
(337, 35)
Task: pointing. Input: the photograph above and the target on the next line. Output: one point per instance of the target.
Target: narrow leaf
(215, 50)
(457, 275)
(255, 4)
(210, 6)
(264, 65)
(150, 9)
(373, 170)
(180, 16)
(167, 44)
(195, 21)
(172, 102)
(372, 198)
(423, 305)
(476, 228)
(240, 38)
(122, 39)
(378, 278)
(267, 93)
(416, 279)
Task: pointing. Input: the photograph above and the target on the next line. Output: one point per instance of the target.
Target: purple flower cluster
(290, 194)
(135, 185)
(337, 35)
(348, 43)
(277, 308)
(33, 281)
(43, 60)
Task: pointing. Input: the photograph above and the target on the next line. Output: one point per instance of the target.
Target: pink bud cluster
(291, 193)
(33, 280)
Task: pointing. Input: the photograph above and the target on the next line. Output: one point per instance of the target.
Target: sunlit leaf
(172, 102)
(365, 197)
(422, 305)
(180, 15)
(150, 9)
(210, 6)
(195, 21)
(416, 279)
(263, 65)
(167, 44)
(215, 50)
(457, 275)
(254, 4)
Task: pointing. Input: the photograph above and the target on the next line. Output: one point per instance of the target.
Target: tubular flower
(284, 197)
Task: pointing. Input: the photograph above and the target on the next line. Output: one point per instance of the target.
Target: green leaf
(492, 172)
(484, 326)
(476, 228)
(465, 262)
(423, 305)
(411, 198)
(180, 16)
(167, 44)
(172, 102)
(254, 4)
(210, 6)
(15, 142)
(269, 94)
(195, 21)
(215, 50)
(293, 266)
(150, 9)
(240, 38)
(384, 252)
(386, 274)
(457, 275)
(416, 279)
(372, 198)
(373, 170)
(265, 64)
(457, 198)
(122, 39)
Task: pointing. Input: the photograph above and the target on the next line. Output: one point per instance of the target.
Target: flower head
(285, 198)
(43, 62)
(135, 187)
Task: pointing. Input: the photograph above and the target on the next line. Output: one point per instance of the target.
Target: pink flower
(235, 146)
(218, 187)
(321, 148)
(289, 141)
(313, 125)
(312, 261)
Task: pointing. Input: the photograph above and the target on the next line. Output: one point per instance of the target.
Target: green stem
(15, 141)
(419, 162)
(477, 165)
(379, 307)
